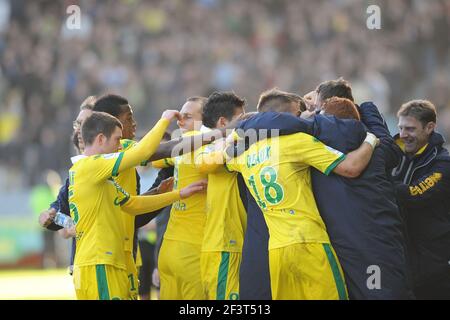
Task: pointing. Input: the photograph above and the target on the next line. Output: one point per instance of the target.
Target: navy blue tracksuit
(423, 192)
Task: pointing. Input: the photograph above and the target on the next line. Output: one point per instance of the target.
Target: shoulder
(127, 144)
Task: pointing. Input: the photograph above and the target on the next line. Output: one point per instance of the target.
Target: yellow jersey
(187, 216)
(277, 174)
(128, 180)
(95, 199)
(226, 218)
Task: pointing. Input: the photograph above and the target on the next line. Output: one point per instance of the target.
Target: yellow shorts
(220, 275)
(133, 280)
(100, 282)
(306, 271)
(179, 271)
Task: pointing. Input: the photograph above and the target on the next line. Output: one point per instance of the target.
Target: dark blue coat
(361, 215)
(423, 192)
(61, 204)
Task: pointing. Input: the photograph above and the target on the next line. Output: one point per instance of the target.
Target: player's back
(277, 173)
(95, 207)
(226, 216)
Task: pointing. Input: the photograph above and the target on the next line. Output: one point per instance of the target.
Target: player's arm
(137, 205)
(180, 146)
(162, 163)
(162, 184)
(429, 189)
(147, 146)
(210, 162)
(60, 204)
(210, 158)
(356, 161)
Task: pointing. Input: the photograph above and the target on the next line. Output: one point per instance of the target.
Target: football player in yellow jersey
(120, 108)
(179, 257)
(95, 200)
(225, 216)
(302, 262)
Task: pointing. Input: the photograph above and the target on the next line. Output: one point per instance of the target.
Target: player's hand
(72, 232)
(155, 277)
(68, 233)
(372, 140)
(196, 187)
(165, 185)
(171, 114)
(46, 217)
(307, 114)
(311, 100)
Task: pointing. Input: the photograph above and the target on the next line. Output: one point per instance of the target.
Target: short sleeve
(309, 150)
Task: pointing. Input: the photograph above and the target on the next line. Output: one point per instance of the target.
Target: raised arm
(147, 146)
(179, 146)
(137, 205)
(163, 176)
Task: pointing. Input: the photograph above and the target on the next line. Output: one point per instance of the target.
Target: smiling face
(413, 134)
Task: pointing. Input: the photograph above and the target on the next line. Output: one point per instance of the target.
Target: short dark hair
(220, 104)
(110, 103)
(422, 110)
(341, 108)
(279, 101)
(335, 88)
(98, 122)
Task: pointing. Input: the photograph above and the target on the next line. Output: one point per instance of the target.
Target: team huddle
(310, 197)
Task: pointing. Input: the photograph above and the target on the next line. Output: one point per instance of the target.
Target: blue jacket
(423, 192)
(361, 215)
(61, 204)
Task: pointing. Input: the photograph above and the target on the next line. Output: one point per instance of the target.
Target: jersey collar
(77, 158)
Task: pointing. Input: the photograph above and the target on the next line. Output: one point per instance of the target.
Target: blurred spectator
(158, 52)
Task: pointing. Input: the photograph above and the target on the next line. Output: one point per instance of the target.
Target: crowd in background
(157, 53)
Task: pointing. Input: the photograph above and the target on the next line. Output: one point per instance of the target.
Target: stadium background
(157, 53)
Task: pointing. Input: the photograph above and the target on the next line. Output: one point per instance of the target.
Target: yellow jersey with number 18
(277, 174)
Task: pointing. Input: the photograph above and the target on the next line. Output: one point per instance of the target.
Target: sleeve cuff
(334, 164)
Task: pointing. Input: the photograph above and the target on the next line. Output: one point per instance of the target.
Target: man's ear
(222, 122)
(101, 139)
(430, 126)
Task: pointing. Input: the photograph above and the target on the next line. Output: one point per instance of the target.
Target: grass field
(53, 284)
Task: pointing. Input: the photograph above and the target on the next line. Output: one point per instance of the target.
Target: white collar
(77, 158)
(205, 129)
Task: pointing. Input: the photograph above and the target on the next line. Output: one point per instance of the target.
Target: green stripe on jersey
(102, 282)
(115, 170)
(334, 164)
(223, 276)
(340, 285)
